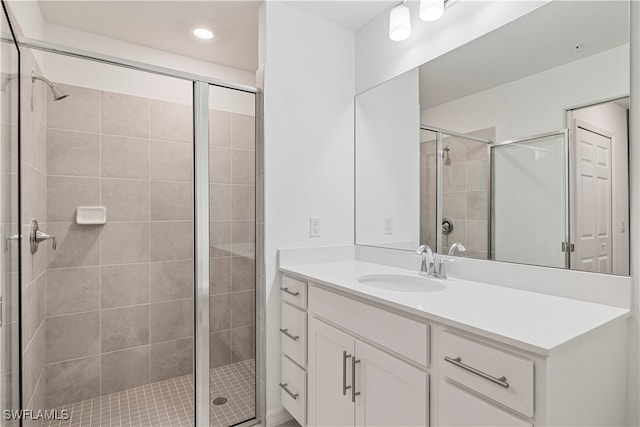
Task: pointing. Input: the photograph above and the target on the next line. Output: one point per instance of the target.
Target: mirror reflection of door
(599, 186)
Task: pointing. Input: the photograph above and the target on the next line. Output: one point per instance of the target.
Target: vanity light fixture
(431, 10)
(203, 33)
(400, 22)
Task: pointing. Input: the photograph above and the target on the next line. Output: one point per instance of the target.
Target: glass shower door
(530, 200)
(10, 222)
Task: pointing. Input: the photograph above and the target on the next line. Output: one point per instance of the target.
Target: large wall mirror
(514, 146)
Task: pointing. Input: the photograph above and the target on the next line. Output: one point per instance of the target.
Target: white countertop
(531, 321)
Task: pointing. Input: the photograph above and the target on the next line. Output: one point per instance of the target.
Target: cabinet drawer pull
(345, 387)
(354, 393)
(502, 381)
(295, 294)
(286, 332)
(284, 387)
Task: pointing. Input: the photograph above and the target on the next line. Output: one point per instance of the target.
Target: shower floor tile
(170, 402)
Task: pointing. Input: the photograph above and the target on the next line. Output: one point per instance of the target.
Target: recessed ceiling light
(203, 33)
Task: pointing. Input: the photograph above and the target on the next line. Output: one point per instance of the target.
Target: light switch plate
(314, 227)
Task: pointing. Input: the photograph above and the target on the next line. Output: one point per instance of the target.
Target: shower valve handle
(36, 237)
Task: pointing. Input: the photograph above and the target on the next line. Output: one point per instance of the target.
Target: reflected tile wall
(465, 192)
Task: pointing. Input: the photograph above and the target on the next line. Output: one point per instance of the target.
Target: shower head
(58, 93)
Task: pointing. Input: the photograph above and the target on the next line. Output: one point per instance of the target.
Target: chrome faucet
(439, 272)
(426, 268)
(457, 245)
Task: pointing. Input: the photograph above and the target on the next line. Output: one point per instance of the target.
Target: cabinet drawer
(294, 333)
(399, 334)
(457, 407)
(293, 386)
(294, 291)
(482, 368)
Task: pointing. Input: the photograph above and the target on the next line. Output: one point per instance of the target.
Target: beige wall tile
(171, 200)
(171, 320)
(124, 327)
(33, 363)
(243, 343)
(124, 157)
(125, 369)
(243, 203)
(243, 309)
(124, 115)
(219, 275)
(219, 128)
(171, 161)
(171, 241)
(478, 205)
(242, 273)
(219, 164)
(124, 285)
(125, 199)
(243, 237)
(64, 195)
(477, 236)
(454, 205)
(220, 239)
(79, 111)
(33, 307)
(72, 381)
(78, 245)
(477, 150)
(453, 177)
(34, 201)
(220, 348)
(171, 280)
(220, 202)
(171, 359)
(243, 167)
(125, 242)
(73, 153)
(73, 290)
(73, 336)
(243, 131)
(457, 150)
(171, 121)
(219, 312)
(477, 175)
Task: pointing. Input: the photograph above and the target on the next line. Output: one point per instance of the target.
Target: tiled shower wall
(119, 301)
(34, 206)
(465, 191)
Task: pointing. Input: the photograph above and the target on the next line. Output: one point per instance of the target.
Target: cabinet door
(392, 392)
(457, 407)
(328, 404)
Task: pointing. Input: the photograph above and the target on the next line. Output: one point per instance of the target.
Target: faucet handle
(441, 272)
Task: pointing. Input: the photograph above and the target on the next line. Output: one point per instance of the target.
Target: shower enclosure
(145, 315)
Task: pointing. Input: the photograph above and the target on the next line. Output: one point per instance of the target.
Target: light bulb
(431, 10)
(203, 33)
(399, 23)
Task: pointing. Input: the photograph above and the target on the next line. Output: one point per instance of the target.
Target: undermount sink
(401, 282)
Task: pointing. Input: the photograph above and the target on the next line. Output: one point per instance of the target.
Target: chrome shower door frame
(201, 216)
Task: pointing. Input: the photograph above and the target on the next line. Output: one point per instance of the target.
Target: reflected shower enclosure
(108, 311)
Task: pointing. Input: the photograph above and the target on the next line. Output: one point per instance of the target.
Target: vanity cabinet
(353, 383)
(356, 361)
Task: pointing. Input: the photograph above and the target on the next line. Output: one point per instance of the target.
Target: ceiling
(352, 14)
(536, 42)
(167, 26)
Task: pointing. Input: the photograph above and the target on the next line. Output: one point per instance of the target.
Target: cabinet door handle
(286, 332)
(345, 387)
(295, 294)
(354, 393)
(284, 387)
(502, 381)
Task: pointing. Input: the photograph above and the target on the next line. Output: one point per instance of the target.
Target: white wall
(388, 163)
(612, 118)
(64, 69)
(379, 59)
(309, 86)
